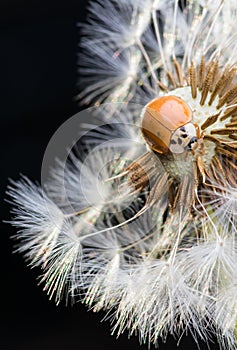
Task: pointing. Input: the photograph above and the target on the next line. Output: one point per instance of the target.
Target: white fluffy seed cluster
(98, 237)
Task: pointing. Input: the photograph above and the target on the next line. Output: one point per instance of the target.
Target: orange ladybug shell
(161, 117)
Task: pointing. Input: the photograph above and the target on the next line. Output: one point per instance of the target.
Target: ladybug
(167, 125)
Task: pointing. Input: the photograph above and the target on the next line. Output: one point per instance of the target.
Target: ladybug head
(184, 139)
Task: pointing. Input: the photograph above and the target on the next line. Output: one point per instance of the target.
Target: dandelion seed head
(145, 228)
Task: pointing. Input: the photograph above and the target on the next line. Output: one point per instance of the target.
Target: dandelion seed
(117, 73)
(40, 219)
(126, 24)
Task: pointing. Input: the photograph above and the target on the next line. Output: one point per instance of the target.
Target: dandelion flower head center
(210, 92)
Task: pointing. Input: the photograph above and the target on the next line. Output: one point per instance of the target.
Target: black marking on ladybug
(182, 128)
(184, 136)
(193, 139)
(180, 141)
(173, 142)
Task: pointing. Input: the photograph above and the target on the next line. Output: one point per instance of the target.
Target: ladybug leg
(200, 133)
(197, 129)
(201, 168)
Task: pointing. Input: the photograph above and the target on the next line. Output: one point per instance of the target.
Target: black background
(38, 64)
